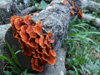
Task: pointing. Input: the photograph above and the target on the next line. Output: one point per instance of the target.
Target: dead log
(55, 18)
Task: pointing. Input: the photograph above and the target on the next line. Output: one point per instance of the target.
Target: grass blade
(7, 72)
(9, 60)
(11, 67)
(13, 55)
(30, 74)
(75, 70)
(18, 51)
(83, 33)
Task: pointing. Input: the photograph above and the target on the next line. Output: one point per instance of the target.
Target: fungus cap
(27, 19)
(34, 42)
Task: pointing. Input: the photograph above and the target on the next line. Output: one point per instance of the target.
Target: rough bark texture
(54, 20)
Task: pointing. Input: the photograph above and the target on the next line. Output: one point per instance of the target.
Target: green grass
(82, 48)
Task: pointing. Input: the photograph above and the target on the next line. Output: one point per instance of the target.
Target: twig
(91, 5)
(95, 21)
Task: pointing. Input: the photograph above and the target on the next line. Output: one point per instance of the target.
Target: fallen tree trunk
(55, 18)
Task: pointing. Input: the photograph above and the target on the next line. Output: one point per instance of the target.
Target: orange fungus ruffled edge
(34, 42)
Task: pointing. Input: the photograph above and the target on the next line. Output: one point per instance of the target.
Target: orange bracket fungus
(34, 42)
(77, 6)
(80, 14)
(72, 12)
(72, 3)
